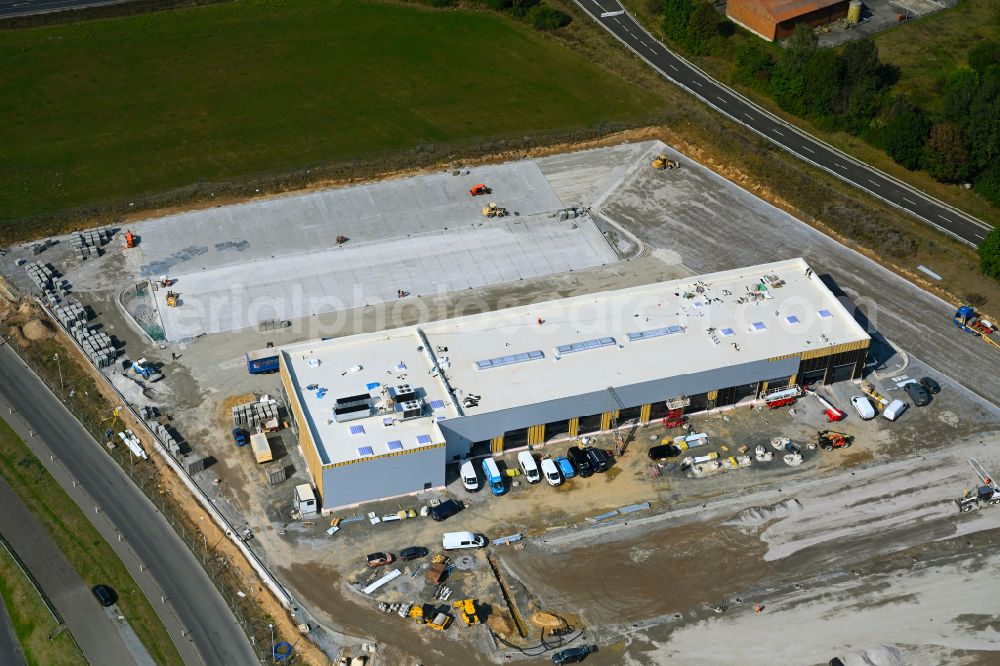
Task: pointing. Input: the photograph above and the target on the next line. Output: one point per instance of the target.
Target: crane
(109, 433)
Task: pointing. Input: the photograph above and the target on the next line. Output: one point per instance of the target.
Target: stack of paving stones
(255, 414)
(44, 276)
(96, 345)
(171, 440)
(87, 244)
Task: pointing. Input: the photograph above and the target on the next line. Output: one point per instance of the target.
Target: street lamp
(59, 365)
(271, 626)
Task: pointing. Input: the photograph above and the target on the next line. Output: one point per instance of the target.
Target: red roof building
(776, 19)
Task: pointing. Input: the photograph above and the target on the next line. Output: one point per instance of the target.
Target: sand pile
(880, 655)
(36, 329)
(756, 516)
(547, 620)
(500, 624)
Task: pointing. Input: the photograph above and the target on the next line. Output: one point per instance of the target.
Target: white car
(528, 467)
(551, 472)
(469, 478)
(864, 407)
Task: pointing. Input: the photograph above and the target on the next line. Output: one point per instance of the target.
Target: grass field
(32, 622)
(926, 51)
(106, 110)
(80, 542)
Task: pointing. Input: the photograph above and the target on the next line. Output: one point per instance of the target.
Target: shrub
(988, 185)
(946, 156)
(544, 17)
(989, 254)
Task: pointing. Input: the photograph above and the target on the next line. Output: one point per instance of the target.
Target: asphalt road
(775, 130)
(94, 632)
(9, 8)
(215, 637)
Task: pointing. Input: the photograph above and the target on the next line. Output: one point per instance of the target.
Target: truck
(986, 492)
(144, 369)
(262, 361)
(970, 321)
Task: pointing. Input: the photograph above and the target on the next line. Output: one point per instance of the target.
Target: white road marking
(777, 131)
(979, 237)
(697, 82)
(809, 149)
(944, 218)
(912, 203)
(873, 183)
(720, 98)
(671, 65)
(748, 116)
(839, 165)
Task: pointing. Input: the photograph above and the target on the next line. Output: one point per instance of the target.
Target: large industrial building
(381, 414)
(775, 20)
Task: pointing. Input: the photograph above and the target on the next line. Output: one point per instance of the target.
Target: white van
(551, 472)
(469, 478)
(894, 409)
(529, 467)
(458, 540)
(864, 408)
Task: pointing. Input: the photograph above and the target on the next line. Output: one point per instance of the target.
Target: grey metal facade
(384, 477)
(460, 433)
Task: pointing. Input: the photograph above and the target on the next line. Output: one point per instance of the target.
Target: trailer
(970, 321)
(261, 448)
(263, 361)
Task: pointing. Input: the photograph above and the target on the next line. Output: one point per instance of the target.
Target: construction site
(602, 399)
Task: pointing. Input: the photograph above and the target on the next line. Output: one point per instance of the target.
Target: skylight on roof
(654, 333)
(395, 445)
(357, 430)
(596, 343)
(825, 314)
(726, 332)
(792, 319)
(365, 451)
(759, 326)
(511, 359)
(423, 439)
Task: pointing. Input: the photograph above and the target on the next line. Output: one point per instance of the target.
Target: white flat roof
(557, 349)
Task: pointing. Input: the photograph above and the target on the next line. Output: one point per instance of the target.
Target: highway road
(9, 8)
(613, 18)
(210, 634)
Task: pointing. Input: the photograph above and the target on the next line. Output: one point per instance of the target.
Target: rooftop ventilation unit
(352, 407)
(410, 409)
(403, 393)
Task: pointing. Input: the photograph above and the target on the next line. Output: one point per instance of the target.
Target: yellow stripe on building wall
(820, 352)
(574, 426)
(496, 444)
(306, 443)
(384, 455)
(644, 413)
(536, 434)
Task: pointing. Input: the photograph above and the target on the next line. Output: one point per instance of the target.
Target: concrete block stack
(71, 314)
(255, 414)
(96, 345)
(168, 437)
(87, 244)
(41, 273)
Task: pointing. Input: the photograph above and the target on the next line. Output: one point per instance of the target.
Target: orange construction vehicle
(479, 189)
(130, 239)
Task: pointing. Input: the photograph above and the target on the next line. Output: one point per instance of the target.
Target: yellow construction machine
(493, 210)
(433, 619)
(661, 163)
(467, 610)
(171, 299)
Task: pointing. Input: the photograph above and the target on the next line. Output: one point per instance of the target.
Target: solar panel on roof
(792, 319)
(365, 451)
(596, 343)
(759, 326)
(395, 445)
(423, 439)
(654, 333)
(728, 331)
(357, 430)
(437, 404)
(510, 359)
(825, 314)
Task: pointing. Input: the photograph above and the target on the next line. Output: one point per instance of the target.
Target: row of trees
(533, 12)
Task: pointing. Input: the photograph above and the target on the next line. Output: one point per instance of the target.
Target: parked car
(931, 385)
(918, 394)
(565, 467)
(459, 540)
(240, 437)
(380, 559)
(863, 407)
(528, 466)
(894, 409)
(104, 594)
(445, 510)
(551, 472)
(469, 478)
(573, 655)
(598, 458)
(664, 452)
(412, 553)
(580, 461)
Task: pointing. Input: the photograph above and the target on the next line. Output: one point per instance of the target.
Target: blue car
(240, 437)
(565, 467)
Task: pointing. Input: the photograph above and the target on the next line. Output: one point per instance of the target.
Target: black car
(105, 595)
(573, 655)
(931, 385)
(412, 553)
(445, 510)
(580, 461)
(664, 452)
(598, 458)
(918, 394)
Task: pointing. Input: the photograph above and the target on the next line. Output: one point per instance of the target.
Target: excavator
(493, 210)
(479, 189)
(830, 439)
(131, 240)
(661, 163)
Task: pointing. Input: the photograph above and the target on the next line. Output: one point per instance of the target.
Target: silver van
(459, 540)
